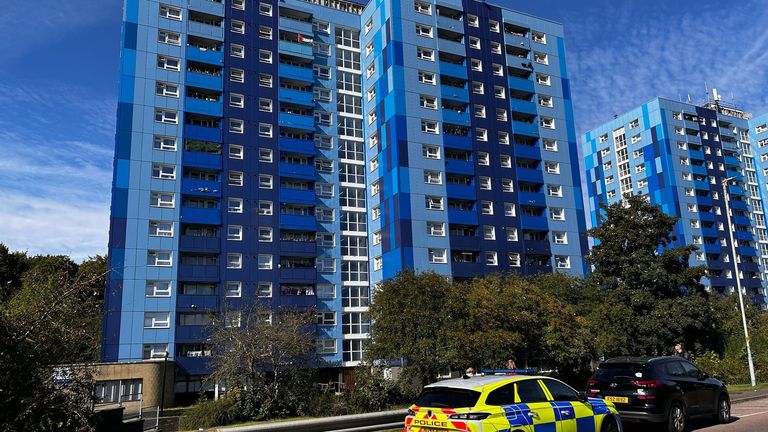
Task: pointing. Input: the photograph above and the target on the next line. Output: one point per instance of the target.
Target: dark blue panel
(129, 35)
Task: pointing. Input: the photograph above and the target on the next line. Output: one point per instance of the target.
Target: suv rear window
(620, 371)
(447, 397)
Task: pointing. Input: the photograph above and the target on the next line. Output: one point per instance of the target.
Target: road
(748, 416)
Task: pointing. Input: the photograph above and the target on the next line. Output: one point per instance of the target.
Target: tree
(45, 324)
(651, 296)
(411, 321)
(12, 267)
(263, 358)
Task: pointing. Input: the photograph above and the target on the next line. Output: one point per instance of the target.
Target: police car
(505, 401)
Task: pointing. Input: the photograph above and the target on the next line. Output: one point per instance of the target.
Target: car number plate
(617, 399)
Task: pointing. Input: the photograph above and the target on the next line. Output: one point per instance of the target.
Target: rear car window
(446, 397)
(621, 371)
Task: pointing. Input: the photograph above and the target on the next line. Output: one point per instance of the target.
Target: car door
(571, 413)
(526, 406)
(683, 384)
(703, 394)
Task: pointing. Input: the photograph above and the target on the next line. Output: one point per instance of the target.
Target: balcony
(202, 106)
(296, 49)
(300, 301)
(747, 251)
(536, 223)
(188, 272)
(461, 191)
(521, 84)
(454, 70)
(532, 199)
(298, 275)
(296, 248)
(294, 145)
(456, 117)
(207, 6)
(530, 175)
(471, 243)
(205, 56)
(450, 23)
(304, 172)
(459, 166)
(191, 365)
(201, 188)
(452, 47)
(699, 169)
(527, 152)
(296, 196)
(297, 73)
(297, 121)
(201, 160)
(522, 128)
(212, 82)
(738, 205)
(458, 141)
(534, 269)
(537, 247)
(199, 244)
(735, 190)
(202, 133)
(462, 217)
(454, 93)
(523, 106)
(297, 97)
(205, 30)
(467, 269)
(295, 25)
(517, 40)
(205, 216)
(298, 222)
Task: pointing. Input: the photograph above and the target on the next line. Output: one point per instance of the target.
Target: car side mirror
(703, 376)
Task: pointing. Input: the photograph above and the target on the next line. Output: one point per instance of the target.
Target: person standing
(681, 352)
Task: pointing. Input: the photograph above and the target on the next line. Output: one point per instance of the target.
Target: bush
(210, 413)
(372, 391)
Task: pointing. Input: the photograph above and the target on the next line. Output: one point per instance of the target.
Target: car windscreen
(447, 397)
(620, 371)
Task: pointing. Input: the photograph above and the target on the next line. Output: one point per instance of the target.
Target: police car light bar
(508, 371)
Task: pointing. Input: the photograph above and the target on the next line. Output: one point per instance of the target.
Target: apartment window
(170, 12)
(161, 228)
(473, 21)
(436, 229)
(514, 259)
(235, 232)
(265, 9)
(326, 318)
(322, 94)
(507, 185)
(427, 77)
(169, 37)
(326, 291)
(265, 56)
(433, 202)
(236, 100)
(323, 214)
(265, 181)
(236, 75)
(552, 167)
(539, 37)
(237, 50)
(437, 256)
(265, 80)
(489, 232)
(265, 155)
(375, 213)
(378, 263)
(376, 237)
(157, 258)
(425, 53)
(562, 261)
(162, 199)
(433, 177)
(163, 171)
(323, 141)
(265, 130)
(265, 32)
(238, 27)
(235, 178)
(168, 63)
(368, 25)
(485, 183)
(234, 261)
(166, 116)
(429, 126)
(167, 89)
(499, 92)
(324, 165)
(424, 30)
(234, 205)
(322, 72)
(477, 87)
(158, 289)
(326, 265)
(264, 289)
(264, 262)
(429, 102)
(235, 151)
(423, 7)
(486, 207)
(503, 138)
(326, 239)
(476, 65)
(479, 111)
(483, 158)
(557, 214)
(493, 26)
(374, 164)
(495, 47)
(491, 258)
(543, 79)
(547, 122)
(236, 126)
(501, 114)
(430, 152)
(497, 69)
(233, 289)
(321, 26)
(546, 101)
(154, 320)
(324, 190)
(560, 237)
(549, 144)
(510, 210)
(512, 234)
(541, 58)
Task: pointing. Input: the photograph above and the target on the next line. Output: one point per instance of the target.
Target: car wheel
(676, 418)
(723, 414)
(609, 425)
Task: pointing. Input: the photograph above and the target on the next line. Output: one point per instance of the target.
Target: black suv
(660, 389)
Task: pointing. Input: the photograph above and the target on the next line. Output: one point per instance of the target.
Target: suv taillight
(646, 383)
(469, 416)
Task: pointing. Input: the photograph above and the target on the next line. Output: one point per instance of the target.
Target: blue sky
(58, 85)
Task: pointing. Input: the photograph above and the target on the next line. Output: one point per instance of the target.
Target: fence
(348, 423)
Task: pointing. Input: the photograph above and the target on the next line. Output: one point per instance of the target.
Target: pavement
(747, 395)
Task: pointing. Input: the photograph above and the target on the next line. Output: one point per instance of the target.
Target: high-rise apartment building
(299, 152)
(682, 157)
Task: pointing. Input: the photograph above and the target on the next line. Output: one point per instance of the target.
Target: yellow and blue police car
(508, 402)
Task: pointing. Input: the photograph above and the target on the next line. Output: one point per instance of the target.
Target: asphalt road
(748, 416)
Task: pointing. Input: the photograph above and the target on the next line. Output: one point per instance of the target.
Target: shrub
(210, 413)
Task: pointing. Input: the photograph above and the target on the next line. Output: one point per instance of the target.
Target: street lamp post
(727, 198)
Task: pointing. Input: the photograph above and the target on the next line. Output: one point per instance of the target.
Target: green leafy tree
(651, 297)
(12, 267)
(411, 321)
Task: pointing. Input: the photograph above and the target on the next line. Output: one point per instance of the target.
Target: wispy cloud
(629, 53)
